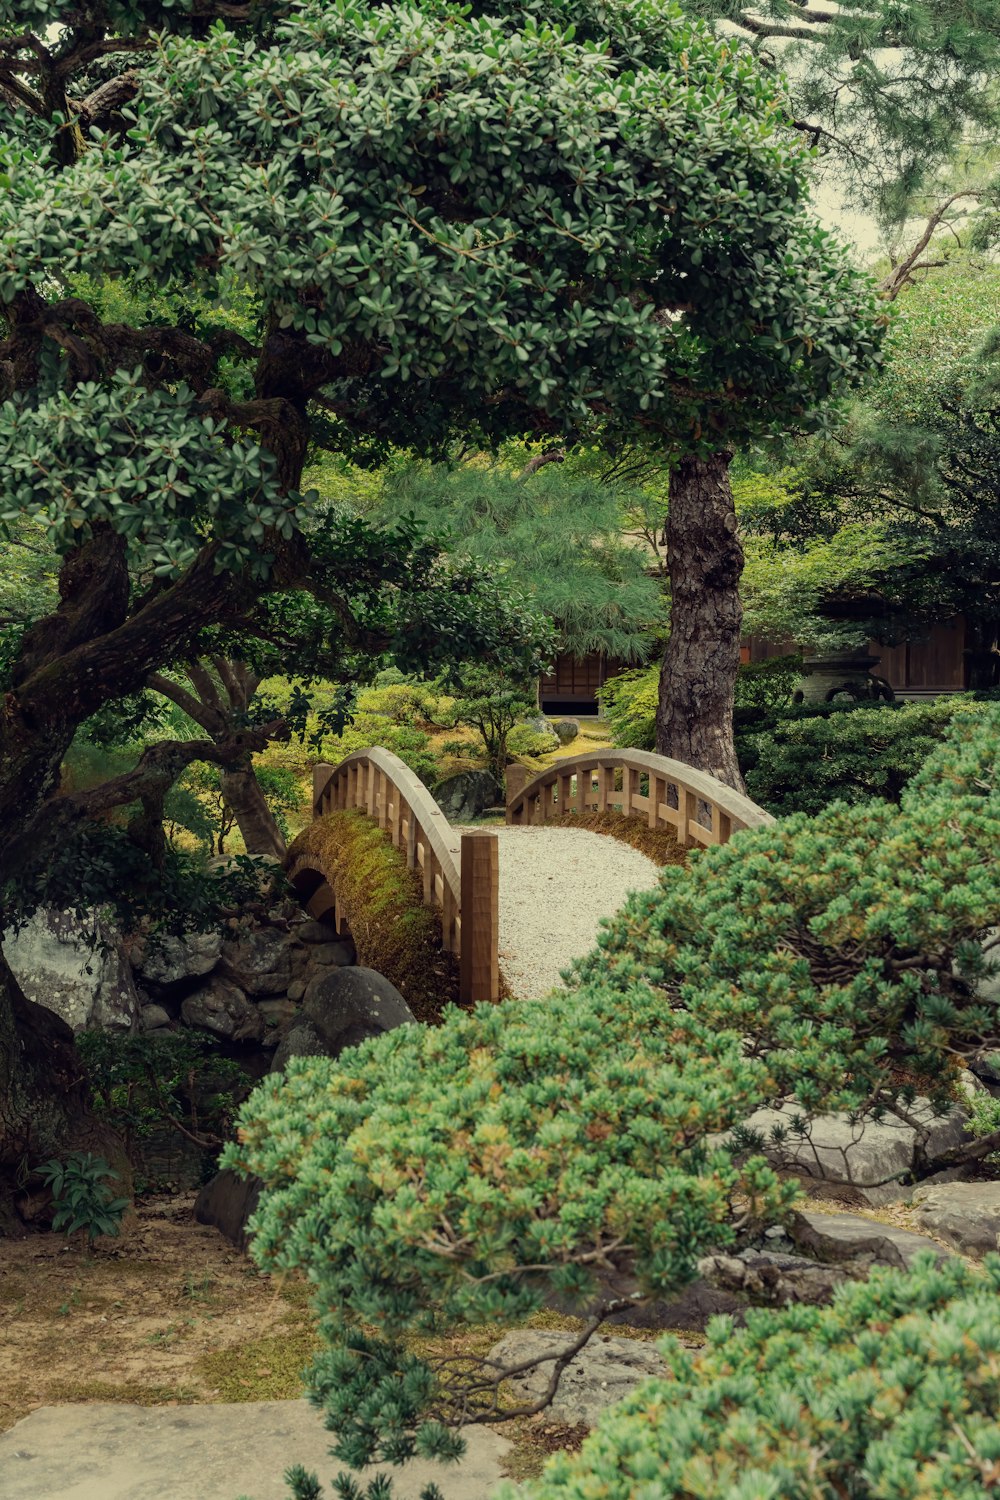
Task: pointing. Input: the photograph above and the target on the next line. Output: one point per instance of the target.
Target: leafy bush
(525, 740)
(459, 1174)
(382, 903)
(802, 763)
(891, 1393)
(82, 1196)
(493, 706)
(139, 1082)
(629, 701)
(412, 745)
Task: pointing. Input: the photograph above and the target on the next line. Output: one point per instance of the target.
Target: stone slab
(849, 1237)
(864, 1154)
(601, 1374)
(217, 1452)
(963, 1214)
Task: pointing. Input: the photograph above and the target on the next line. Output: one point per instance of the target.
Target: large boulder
(221, 1007)
(76, 968)
(602, 1373)
(302, 1040)
(965, 1215)
(566, 730)
(227, 1203)
(348, 1005)
(258, 961)
(468, 795)
(173, 960)
(869, 1155)
(864, 1242)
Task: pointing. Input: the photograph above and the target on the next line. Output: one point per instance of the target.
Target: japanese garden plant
(574, 1145)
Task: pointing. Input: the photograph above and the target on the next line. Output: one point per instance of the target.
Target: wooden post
(515, 776)
(479, 960)
(688, 808)
(565, 794)
(321, 775)
(657, 794)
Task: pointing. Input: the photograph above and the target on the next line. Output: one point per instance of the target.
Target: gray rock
(296, 989)
(348, 1005)
(986, 1065)
(565, 730)
(227, 1203)
(965, 1215)
(331, 955)
(317, 932)
(258, 961)
(278, 1012)
(864, 1154)
(770, 1277)
(602, 1373)
(840, 1237)
(468, 795)
(221, 1007)
(168, 960)
(57, 964)
(154, 1017)
(303, 1040)
(539, 724)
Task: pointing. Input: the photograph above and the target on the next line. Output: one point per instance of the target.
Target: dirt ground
(170, 1314)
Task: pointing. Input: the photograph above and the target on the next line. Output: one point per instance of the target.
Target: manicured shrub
(461, 1173)
(382, 903)
(523, 739)
(844, 946)
(801, 764)
(891, 1393)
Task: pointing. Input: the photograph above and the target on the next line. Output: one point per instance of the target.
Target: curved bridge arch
(459, 874)
(666, 793)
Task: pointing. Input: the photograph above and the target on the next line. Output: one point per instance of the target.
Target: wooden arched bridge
(460, 869)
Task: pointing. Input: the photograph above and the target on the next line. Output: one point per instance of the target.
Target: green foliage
(140, 1082)
(629, 702)
(802, 764)
(382, 902)
(523, 739)
(891, 1393)
(493, 706)
(82, 1196)
(462, 1173)
(984, 1111)
(556, 533)
(754, 936)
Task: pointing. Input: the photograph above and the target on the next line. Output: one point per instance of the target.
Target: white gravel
(556, 884)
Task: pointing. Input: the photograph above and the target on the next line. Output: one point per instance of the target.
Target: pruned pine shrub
(382, 903)
(891, 1393)
(417, 1179)
(845, 946)
(805, 760)
(452, 1175)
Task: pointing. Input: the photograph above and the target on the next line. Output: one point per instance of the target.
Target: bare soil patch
(170, 1314)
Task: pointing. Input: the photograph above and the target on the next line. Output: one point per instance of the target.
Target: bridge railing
(459, 872)
(664, 792)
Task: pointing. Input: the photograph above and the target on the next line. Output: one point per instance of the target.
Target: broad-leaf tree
(452, 224)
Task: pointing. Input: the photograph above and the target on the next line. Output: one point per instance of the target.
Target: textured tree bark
(256, 822)
(694, 720)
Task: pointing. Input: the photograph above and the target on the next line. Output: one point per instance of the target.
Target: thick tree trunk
(257, 824)
(694, 720)
(43, 1098)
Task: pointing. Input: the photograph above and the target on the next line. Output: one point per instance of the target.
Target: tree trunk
(43, 1098)
(257, 823)
(694, 720)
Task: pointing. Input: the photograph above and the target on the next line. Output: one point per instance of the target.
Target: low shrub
(463, 1173)
(802, 763)
(891, 1393)
(382, 902)
(412, 745)
(523, 739)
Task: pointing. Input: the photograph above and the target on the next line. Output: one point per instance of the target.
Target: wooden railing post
(515, 777)
(479, 967)
(321, 775)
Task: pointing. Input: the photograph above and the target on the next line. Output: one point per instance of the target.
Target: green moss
(382, 902)
(268, 1369)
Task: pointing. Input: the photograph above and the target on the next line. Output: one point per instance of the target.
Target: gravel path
(555, 886)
